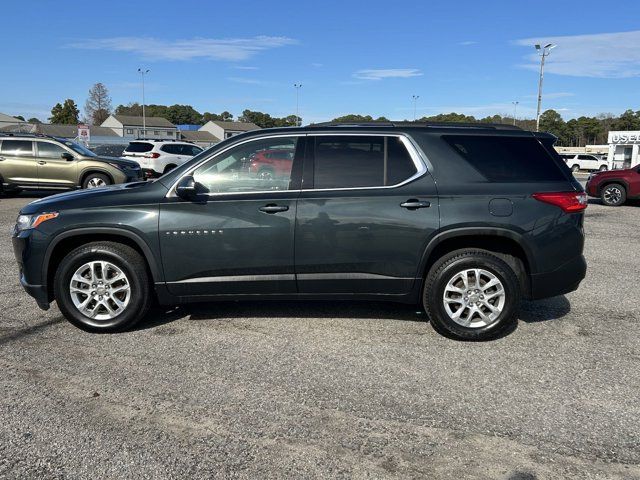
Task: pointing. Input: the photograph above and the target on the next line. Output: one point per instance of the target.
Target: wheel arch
(89, 170)
(504, 242)
(609, 181)
(67, 241)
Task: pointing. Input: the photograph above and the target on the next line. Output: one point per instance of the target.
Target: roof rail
(161, 140)
(26, 134)
(488, 126)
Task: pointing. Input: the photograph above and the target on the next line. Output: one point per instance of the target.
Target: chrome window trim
(414, 153)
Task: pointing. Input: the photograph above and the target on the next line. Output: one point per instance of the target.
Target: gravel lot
(333, 390)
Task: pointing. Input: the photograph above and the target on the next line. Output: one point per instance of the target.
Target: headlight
(25, 222)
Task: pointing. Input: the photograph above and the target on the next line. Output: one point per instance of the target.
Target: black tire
(613, 195)
(131, 265)
(11, 192)
(90, 178)
(445, 269)
(603, 168)
(575, 168)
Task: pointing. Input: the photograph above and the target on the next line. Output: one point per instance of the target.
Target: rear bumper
(563, 279)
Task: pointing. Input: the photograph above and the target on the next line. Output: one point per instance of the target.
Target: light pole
(144, 117)
(544, 53)
(515, 110)
(415, 101)
(297, 86)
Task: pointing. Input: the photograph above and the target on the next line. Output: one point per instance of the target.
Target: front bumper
(149, 173)
(30, 273)
(564, 279)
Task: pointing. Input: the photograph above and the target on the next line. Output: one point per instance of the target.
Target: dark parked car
(109, 150)
(615, 186)
(465, 220)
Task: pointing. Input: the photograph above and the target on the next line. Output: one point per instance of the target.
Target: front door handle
(414, 204)
(42, 162)
(273, 208)
(1, 159)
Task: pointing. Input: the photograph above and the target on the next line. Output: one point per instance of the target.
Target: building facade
(624, 149)
(130, 127)
(224, 130)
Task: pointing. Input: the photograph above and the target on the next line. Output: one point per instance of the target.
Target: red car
(615, 186)
(270, 164)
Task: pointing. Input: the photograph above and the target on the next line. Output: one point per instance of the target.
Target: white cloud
(467, 43)
(244, 67)
(379, 74)
(602, 55)
(231, 49)
(248, 81)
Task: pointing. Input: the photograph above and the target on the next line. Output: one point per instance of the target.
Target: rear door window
(18, 148)
(171, 148)
(506, 159)
(360, 161)
(139, 147)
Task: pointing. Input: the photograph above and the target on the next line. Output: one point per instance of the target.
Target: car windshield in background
(76, 147)
(139, 147)
(109, 150)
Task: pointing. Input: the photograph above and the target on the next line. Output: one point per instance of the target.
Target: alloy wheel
(100, 290)
(95, 182)
(612, 195)
(474, 298)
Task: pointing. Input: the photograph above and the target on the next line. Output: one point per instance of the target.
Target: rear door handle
(42, 162)
(1, 159)
(414, 204)
(273, 208)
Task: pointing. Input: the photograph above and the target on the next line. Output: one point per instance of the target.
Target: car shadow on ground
(530, 311)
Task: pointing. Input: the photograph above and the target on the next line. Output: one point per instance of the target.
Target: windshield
(76, 147)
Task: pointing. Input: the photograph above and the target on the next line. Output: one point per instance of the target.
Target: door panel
(237, 237)
(17, 163)
(228, 246)
(54, 171)
(366, 239)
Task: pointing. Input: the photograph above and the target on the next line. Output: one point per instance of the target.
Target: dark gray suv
(464, 219)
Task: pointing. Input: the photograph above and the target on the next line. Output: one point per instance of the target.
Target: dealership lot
(299, 389)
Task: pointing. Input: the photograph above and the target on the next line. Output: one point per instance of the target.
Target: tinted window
(172, 149)
(50, 150)
(506, 159)
(139, 147)
(17, 147)
(360, 161)
(586, 157)
(192, 150)
(240, 169)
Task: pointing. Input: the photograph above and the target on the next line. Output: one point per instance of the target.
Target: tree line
(575, 132)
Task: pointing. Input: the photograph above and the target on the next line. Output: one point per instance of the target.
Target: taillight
(151, 155)
(570, 202)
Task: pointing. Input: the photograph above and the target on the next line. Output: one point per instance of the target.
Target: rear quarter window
(139, 147)
(506, 159)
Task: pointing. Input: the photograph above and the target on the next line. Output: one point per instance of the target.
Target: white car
(157, 157)
(581, 161)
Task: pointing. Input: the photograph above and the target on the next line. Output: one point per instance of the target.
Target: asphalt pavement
(330, 390)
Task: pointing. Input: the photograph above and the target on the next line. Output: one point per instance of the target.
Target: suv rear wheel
(575, 168)
(103, 287)
(613, 195)
(95, 180)
(472, 295)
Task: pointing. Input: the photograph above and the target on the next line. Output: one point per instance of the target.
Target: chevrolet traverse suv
(29, 161)
(465, 220)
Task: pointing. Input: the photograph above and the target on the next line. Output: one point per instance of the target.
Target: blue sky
(367, 57)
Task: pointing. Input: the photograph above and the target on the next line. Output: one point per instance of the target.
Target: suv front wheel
(96, 180)
(102, 287)
(472, 295)
(613, 195)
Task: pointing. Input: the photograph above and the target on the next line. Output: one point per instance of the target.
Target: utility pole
(415, 101)
(144, 116)
(544, 53)
(515, 110)
(298, 86)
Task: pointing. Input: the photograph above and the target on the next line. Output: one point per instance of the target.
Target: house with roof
(8, 120)
(97, 135)
(131, 127)
(199, 137)
(223, 130)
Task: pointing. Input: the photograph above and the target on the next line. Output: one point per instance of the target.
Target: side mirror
(188, 189)
(67, 156)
